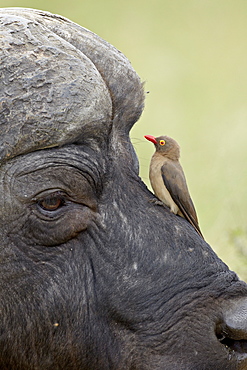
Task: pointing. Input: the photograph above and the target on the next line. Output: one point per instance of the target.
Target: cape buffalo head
(93, 274)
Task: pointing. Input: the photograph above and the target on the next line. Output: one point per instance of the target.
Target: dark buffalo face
(93, 274)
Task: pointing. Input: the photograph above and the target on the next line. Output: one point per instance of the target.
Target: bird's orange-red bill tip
(150, 138)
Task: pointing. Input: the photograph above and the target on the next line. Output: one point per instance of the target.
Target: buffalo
(94, 274)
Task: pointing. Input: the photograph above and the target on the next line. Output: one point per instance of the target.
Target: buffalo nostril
(232, 330)
(236, 345)
(235, 318)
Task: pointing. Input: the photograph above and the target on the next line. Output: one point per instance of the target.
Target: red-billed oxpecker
(168, 180)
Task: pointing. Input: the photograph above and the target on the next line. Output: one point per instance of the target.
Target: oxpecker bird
(168, 180)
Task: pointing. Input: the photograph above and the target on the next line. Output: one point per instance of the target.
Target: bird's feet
(156, 202)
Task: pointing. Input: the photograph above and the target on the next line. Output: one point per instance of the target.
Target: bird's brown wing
(174, 180)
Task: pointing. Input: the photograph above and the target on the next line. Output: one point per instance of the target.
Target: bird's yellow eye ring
(162, 142)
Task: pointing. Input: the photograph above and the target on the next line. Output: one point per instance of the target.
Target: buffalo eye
(52, 202)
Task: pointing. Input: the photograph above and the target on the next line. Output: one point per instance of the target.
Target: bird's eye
(162, 142)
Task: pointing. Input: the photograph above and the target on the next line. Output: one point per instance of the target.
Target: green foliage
(192, 55)
(238, 244)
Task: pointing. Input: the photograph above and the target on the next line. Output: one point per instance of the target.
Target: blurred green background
(193, 57)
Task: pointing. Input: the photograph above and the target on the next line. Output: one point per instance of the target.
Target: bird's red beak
(150, 138)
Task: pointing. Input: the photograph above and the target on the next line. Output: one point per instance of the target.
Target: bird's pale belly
(160, 189)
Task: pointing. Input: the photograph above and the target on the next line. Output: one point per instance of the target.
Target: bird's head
(165, 145)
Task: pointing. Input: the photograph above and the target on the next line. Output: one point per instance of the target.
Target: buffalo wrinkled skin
(94, 275)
